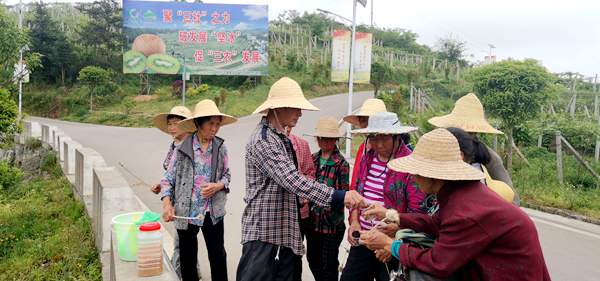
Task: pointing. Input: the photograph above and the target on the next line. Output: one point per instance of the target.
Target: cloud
(256, 12)
(241, 26)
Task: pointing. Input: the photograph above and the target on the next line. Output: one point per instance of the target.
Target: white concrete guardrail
(105, 194)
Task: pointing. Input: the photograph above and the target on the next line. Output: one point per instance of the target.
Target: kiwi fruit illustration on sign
(148, 54)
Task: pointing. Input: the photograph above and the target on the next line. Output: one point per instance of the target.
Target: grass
(538, 183)
(44, 232)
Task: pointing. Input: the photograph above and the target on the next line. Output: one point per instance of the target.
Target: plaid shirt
(272, 186)
(334, 173)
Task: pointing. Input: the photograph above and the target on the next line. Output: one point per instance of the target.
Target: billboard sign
(340, 60)
(205, 39)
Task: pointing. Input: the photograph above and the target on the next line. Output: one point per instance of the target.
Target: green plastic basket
(126, 235)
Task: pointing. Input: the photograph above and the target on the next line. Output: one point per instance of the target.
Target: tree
(513, 91)
(102, 35)
(11, 39)
(319, 24)
(8, 113)
(381, 74)
(92, 77)
(451, 50)
(48, 40)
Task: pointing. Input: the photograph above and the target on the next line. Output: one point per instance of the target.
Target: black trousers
(322, 252)
(362, 265)
(262, 261)
(215, 245)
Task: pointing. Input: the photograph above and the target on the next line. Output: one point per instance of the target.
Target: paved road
(571, 248)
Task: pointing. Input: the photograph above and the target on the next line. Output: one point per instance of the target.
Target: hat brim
(391, 131)
(291, 103)
(353, 119)
(455, 171)
(325, 135)
(160, 121)
(189, 126)
(472, 126)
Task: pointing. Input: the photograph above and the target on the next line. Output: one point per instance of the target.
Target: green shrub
(33, 144)
(581, 133)
(163, 93)
(9, 176)
(50, 164)
(128, 105)
(8, 113)
(197, 91)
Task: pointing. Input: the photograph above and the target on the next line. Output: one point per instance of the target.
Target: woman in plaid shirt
(327, 224)
(270, 223)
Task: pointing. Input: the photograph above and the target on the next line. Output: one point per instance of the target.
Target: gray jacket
(184, 180)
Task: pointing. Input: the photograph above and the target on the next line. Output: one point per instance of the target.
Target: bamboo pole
(580, 159)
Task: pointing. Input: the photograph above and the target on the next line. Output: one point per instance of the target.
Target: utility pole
(20, 64)
(596, 96)
(372, 14)
(351, 81)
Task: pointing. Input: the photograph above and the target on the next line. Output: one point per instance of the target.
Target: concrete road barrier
(86, 159)
(69, 147)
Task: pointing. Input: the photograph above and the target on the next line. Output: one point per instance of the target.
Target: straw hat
(160, 121)
(385, 123)
(437, 155)
(468, 115)
(205, 108)
(368, 108)
(327, 127)
(285, 93)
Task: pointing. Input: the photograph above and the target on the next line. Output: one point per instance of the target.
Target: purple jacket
(400, 192)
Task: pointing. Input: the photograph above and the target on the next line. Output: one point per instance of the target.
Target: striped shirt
(373, 190)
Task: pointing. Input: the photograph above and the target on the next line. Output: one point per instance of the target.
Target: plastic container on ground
(126, 234)
(150, 254)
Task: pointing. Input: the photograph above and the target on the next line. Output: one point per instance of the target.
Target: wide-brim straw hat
(385, 123)
(468, 115)
(285, 93)
(205, 108)
(161, 120)
(437, 156)
(368, 108)
(327, 127)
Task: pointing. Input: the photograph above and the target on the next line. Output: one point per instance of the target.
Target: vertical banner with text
(340, 60)
(206, 39)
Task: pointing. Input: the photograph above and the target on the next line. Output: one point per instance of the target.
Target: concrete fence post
(111, 196)
(69, 147)
(559, 161)
(86, 159)
(45, 133)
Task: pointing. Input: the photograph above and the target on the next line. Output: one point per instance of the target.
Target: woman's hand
(375, 240)
(383, 255)
(155, 188)
(389, 229)
(209, 190)
(376, 211)
(168, 212)
(354, 226)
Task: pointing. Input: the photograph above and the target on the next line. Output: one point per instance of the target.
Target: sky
(563, 35)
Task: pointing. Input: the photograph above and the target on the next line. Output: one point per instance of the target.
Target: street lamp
(351, 70)
(334, 14)
(491, 47)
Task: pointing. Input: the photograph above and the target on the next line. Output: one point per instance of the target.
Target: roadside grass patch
(44, 232)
